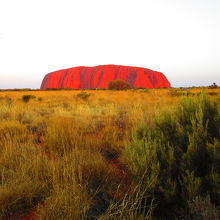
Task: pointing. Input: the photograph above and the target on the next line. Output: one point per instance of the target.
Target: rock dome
(83, 77)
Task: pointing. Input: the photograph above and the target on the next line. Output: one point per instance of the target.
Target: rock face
(99, 76)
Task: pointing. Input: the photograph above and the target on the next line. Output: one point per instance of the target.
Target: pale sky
(180, 38)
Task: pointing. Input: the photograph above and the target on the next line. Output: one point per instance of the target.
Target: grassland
(136, 154)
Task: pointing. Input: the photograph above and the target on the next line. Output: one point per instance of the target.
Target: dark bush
(213, 93)
(83, 95)
(213, 86)
(119, 84)
(27, 98)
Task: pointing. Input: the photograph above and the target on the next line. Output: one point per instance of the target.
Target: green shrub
(178, 158)
(83, 95)
(119, 84)
(27, 98)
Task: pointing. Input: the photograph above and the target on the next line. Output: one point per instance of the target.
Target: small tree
(213, 86)
(119, 84)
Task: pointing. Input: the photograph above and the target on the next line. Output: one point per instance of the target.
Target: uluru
(84, 77)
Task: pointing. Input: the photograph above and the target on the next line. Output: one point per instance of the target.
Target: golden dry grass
(56, 150)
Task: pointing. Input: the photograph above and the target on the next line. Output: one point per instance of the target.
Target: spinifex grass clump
(177, 159)
(23, 170)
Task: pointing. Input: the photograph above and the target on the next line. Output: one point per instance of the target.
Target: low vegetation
(213, 86)
(110, 155)
(27, 98)
(119, 84)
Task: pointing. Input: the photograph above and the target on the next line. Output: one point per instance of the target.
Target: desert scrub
(13, 131)
(66, 203)
(27, 98)
(79, 186)
(68, 198)
(202, 208)
(65, 157)
(119, 84)
(180, 92)
(25, 179)
(174, 92)
(8, 101)
(83, 95)
(176, 157)
(40, 99)
(19, 197)
(5, 113)
(6, 106)
(131, 207)
(63, 136)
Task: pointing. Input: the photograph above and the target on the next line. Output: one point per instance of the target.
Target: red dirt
(20, 216)
(31, 216)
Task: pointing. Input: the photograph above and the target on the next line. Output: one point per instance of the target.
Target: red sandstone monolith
(99, 77)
